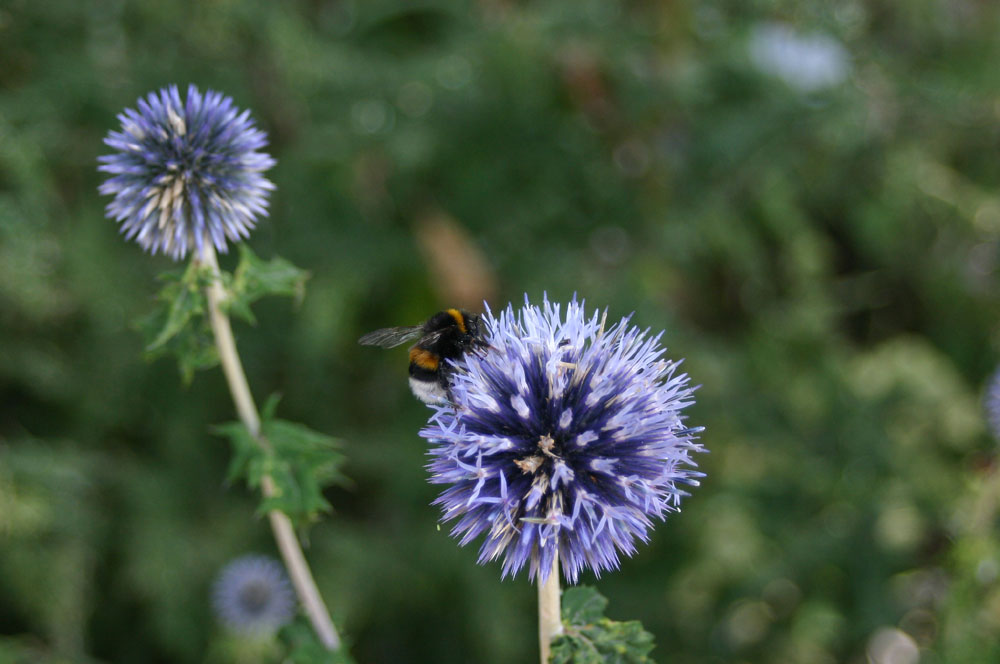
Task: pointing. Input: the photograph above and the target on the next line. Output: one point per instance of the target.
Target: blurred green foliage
(825, 259)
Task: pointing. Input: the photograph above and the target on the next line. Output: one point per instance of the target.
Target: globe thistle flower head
(186, 172)
(252, 595)
(564, 437)
(991, 403)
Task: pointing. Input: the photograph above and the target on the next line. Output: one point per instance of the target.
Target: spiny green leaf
(270, 406)
(582, 605)
(590, 638)
(184, 299)
(255, 278)
(245, 449)
(300, 461)
(178, 326)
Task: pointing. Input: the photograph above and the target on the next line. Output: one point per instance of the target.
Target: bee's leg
(445, 383)
(480, 347)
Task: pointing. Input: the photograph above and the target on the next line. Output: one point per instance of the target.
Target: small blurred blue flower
(186, 172)
(563, 436)
(252, 595)
(807, 63)
(991, 402)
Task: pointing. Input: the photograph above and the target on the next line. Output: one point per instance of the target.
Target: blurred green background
(805, 195)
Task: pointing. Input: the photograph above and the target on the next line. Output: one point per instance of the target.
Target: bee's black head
(452, 332)
(472, 324)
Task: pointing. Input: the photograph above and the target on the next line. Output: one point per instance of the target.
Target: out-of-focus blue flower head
(565, 435)
(186, 172)
(991, 403)
(806, 62)
(252, 595)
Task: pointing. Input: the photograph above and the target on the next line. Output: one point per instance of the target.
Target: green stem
(549, 618)
(284, 534)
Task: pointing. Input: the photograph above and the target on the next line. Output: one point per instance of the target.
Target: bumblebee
(447, 335)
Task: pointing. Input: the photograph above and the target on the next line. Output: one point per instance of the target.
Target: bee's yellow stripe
(424, 359)
(459, 318)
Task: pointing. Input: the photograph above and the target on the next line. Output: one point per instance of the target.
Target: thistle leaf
(300, 461)
(178, 326)
(590, 638)
(255, 278)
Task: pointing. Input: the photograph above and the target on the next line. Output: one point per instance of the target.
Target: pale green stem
(284, 534)
(549, 618)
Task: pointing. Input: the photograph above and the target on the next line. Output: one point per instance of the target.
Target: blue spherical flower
(564, 436)
(252, 595)
(186, 172)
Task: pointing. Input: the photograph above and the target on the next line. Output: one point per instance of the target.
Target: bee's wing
(390, 337)
(432, 337)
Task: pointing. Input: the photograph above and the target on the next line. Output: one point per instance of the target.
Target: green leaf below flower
(178, 326)
(255, 278)
(590, 638)
(302, 463)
